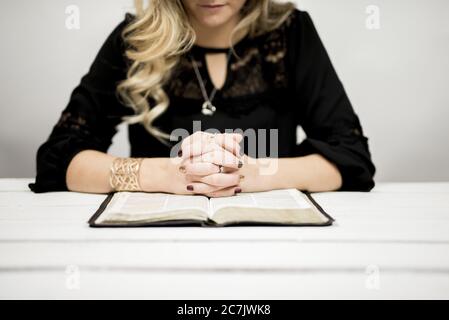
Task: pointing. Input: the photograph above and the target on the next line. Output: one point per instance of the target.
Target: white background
(397, 77)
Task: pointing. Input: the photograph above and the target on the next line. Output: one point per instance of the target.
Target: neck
(215, 37)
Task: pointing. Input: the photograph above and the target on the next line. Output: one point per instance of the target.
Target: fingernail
(190, 188)
(180, 153)
(238, 190)
(240, 164)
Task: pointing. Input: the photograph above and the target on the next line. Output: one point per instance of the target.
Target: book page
(276, 199)
(279, 207)
(135, 206)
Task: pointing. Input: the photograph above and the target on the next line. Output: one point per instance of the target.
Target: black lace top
(279, 80)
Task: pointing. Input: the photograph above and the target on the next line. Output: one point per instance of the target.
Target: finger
(186, 142)
(230, 142)
(223, 180)
(200, 142)
(201, 188)
(237, 136)
(223, 158)
(196, 167)
(195, 137)
(200, 168)
(197, 148)
(227, 192)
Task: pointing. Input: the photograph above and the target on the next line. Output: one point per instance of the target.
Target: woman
(253, 65)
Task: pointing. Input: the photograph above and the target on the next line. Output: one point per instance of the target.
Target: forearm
(311, 173)
(89, 171)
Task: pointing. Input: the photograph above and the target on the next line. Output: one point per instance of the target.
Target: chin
(213, 21)
(214, 18)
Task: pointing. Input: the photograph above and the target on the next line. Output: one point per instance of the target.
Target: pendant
(208, 108)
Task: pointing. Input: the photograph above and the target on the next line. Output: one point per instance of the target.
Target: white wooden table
(390, 243)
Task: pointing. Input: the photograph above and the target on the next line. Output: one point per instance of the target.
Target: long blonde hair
(159, 35)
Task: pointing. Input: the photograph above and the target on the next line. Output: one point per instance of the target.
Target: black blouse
(279, 80)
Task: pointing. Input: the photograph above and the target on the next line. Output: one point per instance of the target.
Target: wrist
(259, 174)
(154, 175)
(124, 174)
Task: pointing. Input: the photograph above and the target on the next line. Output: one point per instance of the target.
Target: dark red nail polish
(240, 164)
(190, 188)
(180, 153)
(238, 190)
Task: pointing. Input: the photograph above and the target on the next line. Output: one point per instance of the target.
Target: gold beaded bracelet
(124, 174)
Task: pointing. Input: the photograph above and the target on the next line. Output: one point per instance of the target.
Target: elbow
(358, 179)
(48, 174)
(327, 175)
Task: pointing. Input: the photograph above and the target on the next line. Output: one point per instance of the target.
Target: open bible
(277, 207)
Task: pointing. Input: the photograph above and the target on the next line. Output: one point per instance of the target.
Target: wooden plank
(360, 216)
(383, 201)
(19, 184)
(344, 230)
(78, 215)
(83, 212)
(411, 187)
(226, 255)
(105, 284)
(52, 199)
(15, 184)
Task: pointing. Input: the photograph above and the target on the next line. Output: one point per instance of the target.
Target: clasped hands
(211, 164)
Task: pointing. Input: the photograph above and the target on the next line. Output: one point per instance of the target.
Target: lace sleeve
(89, 121)
(324, 110)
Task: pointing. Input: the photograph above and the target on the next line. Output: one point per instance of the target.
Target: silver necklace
(208, 108)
